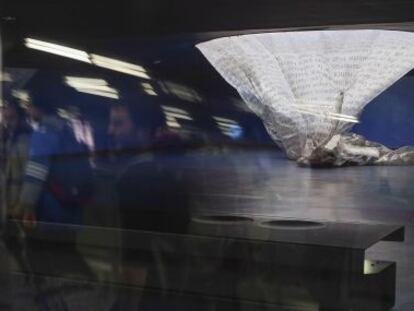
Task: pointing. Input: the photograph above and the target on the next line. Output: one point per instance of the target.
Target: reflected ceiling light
(63, 113)
(97, 87)
(172, 121)
(21, 94)
(98, 60)
(228, 127)
(322, 109)
(148, 89)
(173, 114)
(57, 49)
(326, 114)
(120, 66)
(5, 77)
(181, 91)
(224, 120)
(174, 109)
(100, 93)
(150, 92)
(88, 83)
(178, 115)
(173, 124)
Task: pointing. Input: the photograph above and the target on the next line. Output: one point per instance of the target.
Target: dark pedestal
(276, 265)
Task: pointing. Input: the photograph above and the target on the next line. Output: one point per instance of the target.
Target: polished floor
(247, 183)
(266, 184)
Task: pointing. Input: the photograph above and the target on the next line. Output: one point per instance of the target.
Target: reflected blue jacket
(44, 146)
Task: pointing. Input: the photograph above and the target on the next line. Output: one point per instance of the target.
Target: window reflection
(151, 185)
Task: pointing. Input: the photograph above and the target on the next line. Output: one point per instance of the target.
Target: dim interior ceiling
(161, 34)
(133, 17)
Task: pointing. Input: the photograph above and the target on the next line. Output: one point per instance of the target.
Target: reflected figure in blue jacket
(58, 173)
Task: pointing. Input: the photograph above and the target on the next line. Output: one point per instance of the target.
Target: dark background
(161, 35)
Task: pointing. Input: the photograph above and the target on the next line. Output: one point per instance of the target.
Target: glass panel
(205, 171)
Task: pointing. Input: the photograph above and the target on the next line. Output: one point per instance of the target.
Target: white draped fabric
(309, 86)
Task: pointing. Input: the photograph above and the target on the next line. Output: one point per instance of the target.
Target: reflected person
(15, 141)
(58, 177)
(152, 186)
(152, 193)
(127, 137)
(15, 137)
(57, 183)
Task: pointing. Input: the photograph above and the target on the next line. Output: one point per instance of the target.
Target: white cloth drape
(310, 86)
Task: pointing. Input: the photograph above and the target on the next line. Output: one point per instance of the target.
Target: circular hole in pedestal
(222, 219)
(293, 224)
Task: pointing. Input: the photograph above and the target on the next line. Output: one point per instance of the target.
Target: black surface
(332, 274)
(167, 16)
(329, 234)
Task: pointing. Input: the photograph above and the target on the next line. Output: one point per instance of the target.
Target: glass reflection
(117, 199)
